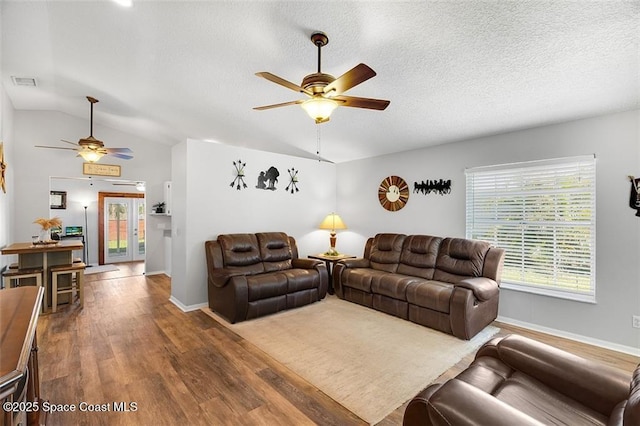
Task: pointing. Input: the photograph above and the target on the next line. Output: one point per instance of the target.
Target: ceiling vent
(23, 81)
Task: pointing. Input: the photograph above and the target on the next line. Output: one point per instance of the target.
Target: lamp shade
(319, 108)
(332, 222)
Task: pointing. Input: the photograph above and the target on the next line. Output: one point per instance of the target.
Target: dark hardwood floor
(131, 345)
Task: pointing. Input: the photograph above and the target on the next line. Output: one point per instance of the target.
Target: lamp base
(332, 252)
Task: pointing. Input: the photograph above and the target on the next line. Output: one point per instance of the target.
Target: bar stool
(16, 274)
(76, 284)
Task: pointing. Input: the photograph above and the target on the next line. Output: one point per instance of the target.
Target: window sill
(574, 297)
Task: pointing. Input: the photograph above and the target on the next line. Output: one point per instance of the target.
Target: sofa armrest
(355, 263)
(306, 263)
(482, 288)
(588, 382)
(459, 403)
(221, 277)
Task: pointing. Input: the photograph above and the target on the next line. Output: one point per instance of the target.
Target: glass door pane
(117, 248)
(139, 231)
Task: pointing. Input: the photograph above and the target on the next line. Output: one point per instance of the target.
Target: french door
(123, 229)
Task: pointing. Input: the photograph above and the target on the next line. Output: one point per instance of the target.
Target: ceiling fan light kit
(324, 90)
(319, 108)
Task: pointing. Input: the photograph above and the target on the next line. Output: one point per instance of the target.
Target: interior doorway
(121, 227)
(83, 215)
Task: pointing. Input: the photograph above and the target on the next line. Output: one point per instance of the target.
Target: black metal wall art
(238, 182)
(634, 198)
(441, 186)
(268, 179)
(293, 180)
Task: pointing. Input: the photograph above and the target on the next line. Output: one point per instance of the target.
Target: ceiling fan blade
(123, 156)
(351, 101)
(349, 79)
(55, 147)
(277, 105)
(283, 82)
(112, 150)
(71, 143)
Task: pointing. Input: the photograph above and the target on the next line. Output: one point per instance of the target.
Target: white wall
(33, 167)
(6, 199)
(614, 139)
(205, 205)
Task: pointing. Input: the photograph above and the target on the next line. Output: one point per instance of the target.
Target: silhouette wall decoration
(634, 198)
(441, 187)
(238, 182)
(268, 179)
(293, 180)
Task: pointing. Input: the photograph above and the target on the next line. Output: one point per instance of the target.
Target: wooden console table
(19, 381)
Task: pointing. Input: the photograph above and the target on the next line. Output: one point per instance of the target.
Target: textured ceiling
(452, 70)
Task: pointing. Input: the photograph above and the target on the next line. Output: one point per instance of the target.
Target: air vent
(24, 81)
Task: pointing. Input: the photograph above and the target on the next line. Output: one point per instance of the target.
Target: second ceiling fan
(325, 92)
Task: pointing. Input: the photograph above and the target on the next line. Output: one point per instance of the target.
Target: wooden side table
(330, 261)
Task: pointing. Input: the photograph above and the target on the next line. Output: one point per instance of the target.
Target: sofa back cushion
(459, 258)
(241, 252)
(418, 257)
(385, 251)
(274, 250)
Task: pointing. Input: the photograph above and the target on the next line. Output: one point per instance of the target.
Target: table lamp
(332, 222)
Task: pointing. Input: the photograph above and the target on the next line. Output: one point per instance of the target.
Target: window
(543, 214)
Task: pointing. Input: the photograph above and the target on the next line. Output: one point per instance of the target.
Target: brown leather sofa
(518, 381)
(449, 284)
(252, 275)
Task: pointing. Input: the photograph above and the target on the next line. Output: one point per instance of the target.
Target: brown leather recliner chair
(518, 381)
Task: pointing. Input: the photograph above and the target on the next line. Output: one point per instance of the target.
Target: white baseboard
(148, 273)
(572, 336)
(187, 308)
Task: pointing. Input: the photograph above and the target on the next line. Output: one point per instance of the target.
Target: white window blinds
(543, 214)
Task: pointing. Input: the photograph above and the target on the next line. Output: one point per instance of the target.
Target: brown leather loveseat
(449, 284)
(518, 381)
(252, 275)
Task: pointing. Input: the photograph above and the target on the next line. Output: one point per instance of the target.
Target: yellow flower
(48, 223)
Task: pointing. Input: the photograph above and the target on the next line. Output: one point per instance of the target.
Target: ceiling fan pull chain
(318, 142)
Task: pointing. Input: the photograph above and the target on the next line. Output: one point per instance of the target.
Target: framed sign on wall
(101, 169)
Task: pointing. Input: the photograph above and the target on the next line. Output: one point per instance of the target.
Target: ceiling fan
(92, 149)
(325, 92)
(140, 186)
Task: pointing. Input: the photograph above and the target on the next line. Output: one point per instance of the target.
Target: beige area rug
(369, 362)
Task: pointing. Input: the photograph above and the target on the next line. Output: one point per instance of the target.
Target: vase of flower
(45, 235)
(46, 225)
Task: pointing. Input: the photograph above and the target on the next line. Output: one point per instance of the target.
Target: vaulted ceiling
(453, 70)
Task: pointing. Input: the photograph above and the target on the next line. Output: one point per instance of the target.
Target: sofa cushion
(301, 279)
(274, 250)
(418, 257)
(241, 252)
(434, 295)
(361, 278)
(459, 258)
(385, 251)
(392, 285)
(266, 285)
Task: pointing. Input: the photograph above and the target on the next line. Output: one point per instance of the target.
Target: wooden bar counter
(19, 381)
